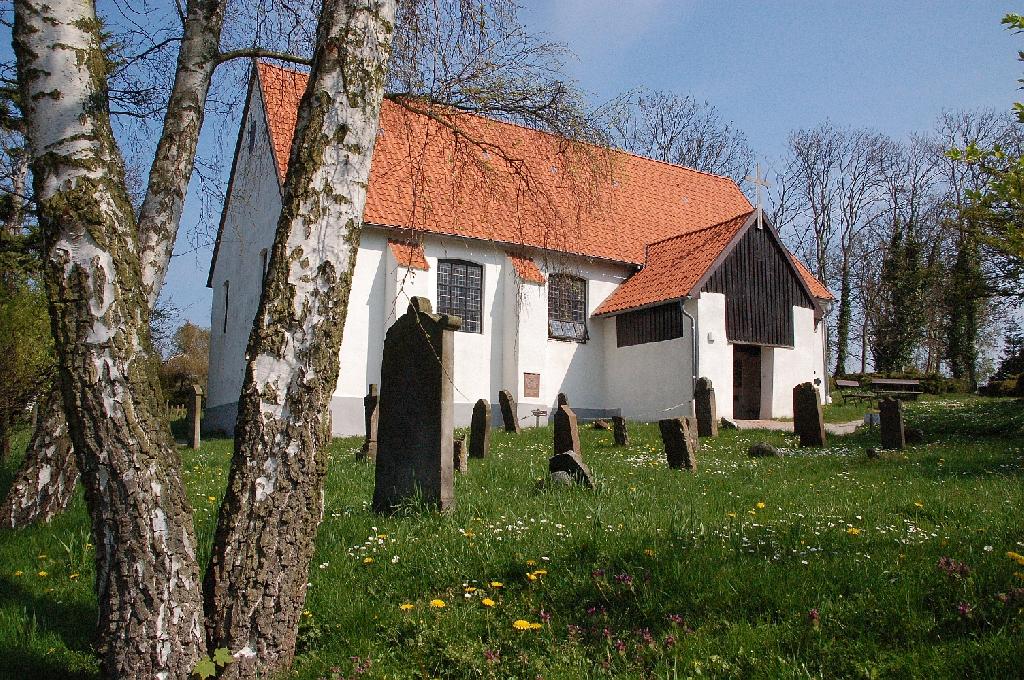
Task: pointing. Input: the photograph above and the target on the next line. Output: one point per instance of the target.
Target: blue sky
(769, 67)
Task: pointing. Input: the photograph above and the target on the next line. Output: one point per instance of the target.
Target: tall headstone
(195, 415)
(891, 413)
(509, 414)
(460, 461)
(480, 430)
(679, 449)
(619, 431)
(414, 427)
(567, 432)
(562, 400)
(808, 420)
(705, 408)
(368, 451)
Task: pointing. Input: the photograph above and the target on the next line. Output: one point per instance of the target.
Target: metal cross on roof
(759, 181)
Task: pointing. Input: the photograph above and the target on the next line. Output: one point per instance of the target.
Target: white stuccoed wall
(715, 350)
(250, 219)
(784, 368)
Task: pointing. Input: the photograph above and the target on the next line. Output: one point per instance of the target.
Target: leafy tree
(188, 363)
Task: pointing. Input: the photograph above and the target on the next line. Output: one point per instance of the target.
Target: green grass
(655, 573)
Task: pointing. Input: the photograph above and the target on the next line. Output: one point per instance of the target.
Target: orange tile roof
(674, 266)
(424, 178)
(816, 287)
(409, 255)
(526, 269)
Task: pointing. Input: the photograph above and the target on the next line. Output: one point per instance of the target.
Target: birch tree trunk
(256, 583)
(46, 481)
(150, 605)
(49, 457)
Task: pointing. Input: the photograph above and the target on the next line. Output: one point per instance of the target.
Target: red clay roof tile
(526, 269)
(816, 287)
(424, 178)
(409, 255)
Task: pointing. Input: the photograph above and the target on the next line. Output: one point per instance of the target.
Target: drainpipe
(693, 335)
(826, 310)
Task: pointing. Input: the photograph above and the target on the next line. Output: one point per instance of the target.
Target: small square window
(460, 292)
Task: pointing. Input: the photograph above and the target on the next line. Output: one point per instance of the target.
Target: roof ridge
(745, 215)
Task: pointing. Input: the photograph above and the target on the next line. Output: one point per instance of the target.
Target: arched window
(460, 292)
(567, 307)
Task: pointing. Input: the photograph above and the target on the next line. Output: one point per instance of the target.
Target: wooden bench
(845, 387)
(897, 388)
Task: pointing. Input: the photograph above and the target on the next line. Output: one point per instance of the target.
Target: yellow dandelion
(731, 514)
(853, 531)
(521, 624)
(497, 584)
(487, 602)
(211, 498)
(649, 552)
(531, 576)
(1016, 557)
(760, 505)
(918, 504)
(438, 604)
(535, 626)
(367, 560)
(405, 607)
(540, 572)
(19, 573)
(470, 589)
(307, 613)
(43, 574)
(531, 563)
(751, 512)
(74, 576)
(382, 536)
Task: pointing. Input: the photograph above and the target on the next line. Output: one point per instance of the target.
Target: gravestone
(891, 414)
(808, 421)
(567, 433)
(675, 434)
(414, 427)
(480, 430)
(619, 431)
(763, 450)
(570, 463)
(727, 424)
(600, 424)
(508, 411)
(691, 424)
(705, 408)
(562, 400)
(195, 415)
(914, 435)
(460, 461)
(368, 451)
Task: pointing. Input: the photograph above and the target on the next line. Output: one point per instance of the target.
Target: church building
(613, 278)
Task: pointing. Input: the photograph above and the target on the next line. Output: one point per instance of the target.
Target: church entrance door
(746, 382)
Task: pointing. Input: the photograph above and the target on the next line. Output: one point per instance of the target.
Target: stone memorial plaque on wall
(531, 385)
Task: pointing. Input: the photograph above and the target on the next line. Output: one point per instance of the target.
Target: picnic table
(850, 390)
(897, 388)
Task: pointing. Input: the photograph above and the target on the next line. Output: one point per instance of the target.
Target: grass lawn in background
(820, 563)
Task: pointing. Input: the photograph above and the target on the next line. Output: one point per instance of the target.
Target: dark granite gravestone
(509, 413)
(891, 413)
(727, 424)
(570, 463)
(480, 430)
(561, 400)
(368, 451)
(460, 461)
(619, 431)
(414, 427)
(914, 435)
(567, 433)
(705, 408)
(675, 434)
(763, 450)
(808, 421)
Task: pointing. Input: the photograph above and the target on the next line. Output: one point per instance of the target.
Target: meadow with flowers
(822, 563)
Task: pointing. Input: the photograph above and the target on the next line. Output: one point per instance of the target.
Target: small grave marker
(368, 451)
(891, 414)
(705, 408)
(480, 430)
(675, 434)
(808, 420)
(508, 411)
(619, 431)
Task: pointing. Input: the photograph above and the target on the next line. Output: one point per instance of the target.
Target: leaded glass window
(460, 292)
(567, 307)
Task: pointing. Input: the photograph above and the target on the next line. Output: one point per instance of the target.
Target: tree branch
(258, 53)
